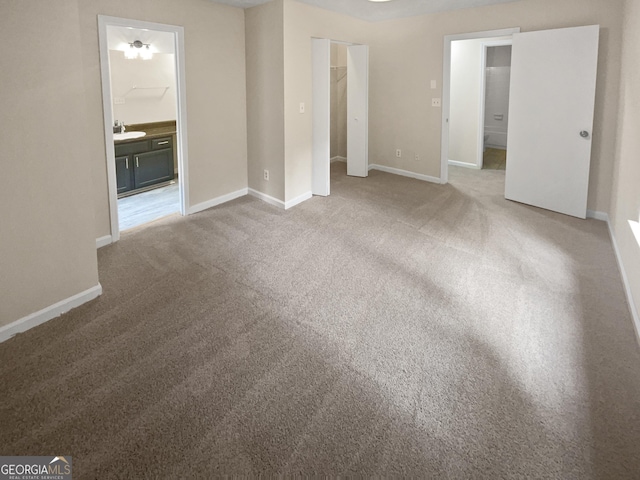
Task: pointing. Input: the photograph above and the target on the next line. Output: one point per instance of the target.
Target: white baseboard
(625, 280)
(48, 313)
(217, 201)
(602, 216)
(455, 163)
(104, 241)
(296, 201)
(279, 203)
(266, 198)
(404, 173)
(339, 159)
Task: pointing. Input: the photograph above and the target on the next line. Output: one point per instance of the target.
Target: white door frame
(321, 130)
(483, 94)
(181, 119)
(321, 116)
(446, 89)
(358, 104)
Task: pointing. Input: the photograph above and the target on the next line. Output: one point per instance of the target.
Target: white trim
(446, 90)
(625, 280)
(321, 116)
(48, 313)
(266, 198)
(107, 106)
(214, 202)
(464, 164)
(279, 203)
(338, 158)
(298, 200)
(103, 241)
(404, 173)
(602, 216)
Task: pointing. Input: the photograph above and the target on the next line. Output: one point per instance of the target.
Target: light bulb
(146, 53)
(131, 52)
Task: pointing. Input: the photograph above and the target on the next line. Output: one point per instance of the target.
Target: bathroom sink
(128, 135)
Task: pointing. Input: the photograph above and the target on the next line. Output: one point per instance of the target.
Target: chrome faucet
(118, 127)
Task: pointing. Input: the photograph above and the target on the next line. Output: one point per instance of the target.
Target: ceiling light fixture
(136, 50)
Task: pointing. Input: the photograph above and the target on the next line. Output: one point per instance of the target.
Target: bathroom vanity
(146, 162)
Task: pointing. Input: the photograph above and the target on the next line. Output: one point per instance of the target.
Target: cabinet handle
(137, 164)
(163, 143)
(127, 162)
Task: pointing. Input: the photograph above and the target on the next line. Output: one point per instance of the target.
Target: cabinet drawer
(161, 143)
(133, 147)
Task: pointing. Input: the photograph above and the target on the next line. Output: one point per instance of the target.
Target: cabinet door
(153, 167)
(124, 176)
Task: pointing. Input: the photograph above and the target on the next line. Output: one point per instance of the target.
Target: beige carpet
(395, 328)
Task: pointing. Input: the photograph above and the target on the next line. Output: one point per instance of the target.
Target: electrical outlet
(436, 102)
(398, 153)
(266, 175)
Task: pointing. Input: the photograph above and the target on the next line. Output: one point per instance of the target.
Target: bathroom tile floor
(148, 206)
(494, 159)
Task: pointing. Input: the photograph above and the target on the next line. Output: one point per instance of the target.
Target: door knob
(584, 134)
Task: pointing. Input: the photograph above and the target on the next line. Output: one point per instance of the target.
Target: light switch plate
(433, 84)
(301, 107)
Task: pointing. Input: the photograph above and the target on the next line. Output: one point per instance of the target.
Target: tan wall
(265, 97)
(301, 23)
(216, 93)
(407, 53)
(625, 200)
(47, 246)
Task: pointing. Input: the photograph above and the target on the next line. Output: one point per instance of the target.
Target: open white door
(358, 110)
(551, 103)
(321, 65)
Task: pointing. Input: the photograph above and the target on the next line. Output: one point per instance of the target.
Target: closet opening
(338, 110)
(340, 118)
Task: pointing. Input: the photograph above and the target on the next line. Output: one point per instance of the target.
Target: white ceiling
(373, 12)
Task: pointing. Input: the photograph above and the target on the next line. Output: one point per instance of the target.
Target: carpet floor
(396, 327)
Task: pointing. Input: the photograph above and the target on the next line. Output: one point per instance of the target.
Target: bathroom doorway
(472, 143)
(478, 102)
(497, 77)
(143, 98)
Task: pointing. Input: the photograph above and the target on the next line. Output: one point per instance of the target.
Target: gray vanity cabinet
(124, 180)
(143, 163)
(153, 167)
